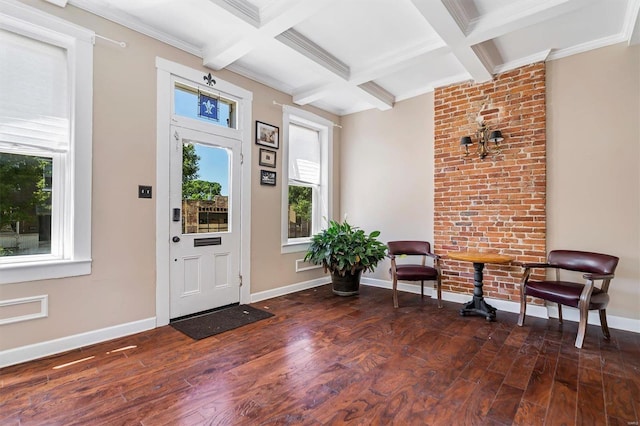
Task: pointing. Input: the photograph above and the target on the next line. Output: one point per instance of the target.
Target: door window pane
(25, 204)
(205, 188)
(210, 107)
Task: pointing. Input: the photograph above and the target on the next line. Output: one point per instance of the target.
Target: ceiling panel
(360, 31)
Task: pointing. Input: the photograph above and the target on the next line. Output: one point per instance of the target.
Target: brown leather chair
(584, 296)
(414, 272)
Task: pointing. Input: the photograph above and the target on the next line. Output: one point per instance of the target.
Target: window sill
(43, 270)
(296, 247)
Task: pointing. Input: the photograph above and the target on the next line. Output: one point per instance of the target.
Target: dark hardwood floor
(324, 359)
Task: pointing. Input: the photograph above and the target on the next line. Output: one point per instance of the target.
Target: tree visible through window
(25, 204)
(192, 187)
(204, 207)
(300, 210)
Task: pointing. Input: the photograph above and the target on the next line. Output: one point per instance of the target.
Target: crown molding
(527, 60)
(585, 47)
(126, 20)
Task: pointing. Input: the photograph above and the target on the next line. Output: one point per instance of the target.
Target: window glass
(25, 204)
(300, 211)
(205, 106)
(205, 189)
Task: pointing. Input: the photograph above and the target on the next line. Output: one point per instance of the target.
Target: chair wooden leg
(439, 290)
(422, 289)
(603, 323)
(395, 292)
(582, 325)
(560, 313)
(523, 308)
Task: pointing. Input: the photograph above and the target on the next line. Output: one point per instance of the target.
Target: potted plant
(345, 251)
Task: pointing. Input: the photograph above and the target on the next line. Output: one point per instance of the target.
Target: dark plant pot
(347, 285)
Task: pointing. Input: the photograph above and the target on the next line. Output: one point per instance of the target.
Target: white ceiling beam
(315, 53)
(217, 58)
(445, 25)
(280, 15)
(260, 26)
(377, 96)
(241, 9)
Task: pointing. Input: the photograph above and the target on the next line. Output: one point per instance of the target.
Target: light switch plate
(144, 191)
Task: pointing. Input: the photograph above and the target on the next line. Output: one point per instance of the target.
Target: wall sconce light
(484, 135)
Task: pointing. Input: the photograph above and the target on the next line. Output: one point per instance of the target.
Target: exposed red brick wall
(495, 204)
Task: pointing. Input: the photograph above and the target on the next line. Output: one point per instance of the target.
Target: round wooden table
(478, 305)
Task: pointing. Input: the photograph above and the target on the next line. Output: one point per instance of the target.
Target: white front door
(205, 221)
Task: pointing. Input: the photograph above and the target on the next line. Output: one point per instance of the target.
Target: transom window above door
(207, 106)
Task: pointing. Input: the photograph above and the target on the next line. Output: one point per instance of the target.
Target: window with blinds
(34, 132)
(306, 197)
(45, 146)
(304, 179)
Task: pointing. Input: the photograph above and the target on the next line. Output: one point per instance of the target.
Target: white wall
(387, 172)
(593, 162)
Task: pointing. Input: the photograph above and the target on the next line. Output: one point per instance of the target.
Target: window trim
(75, 256)
(292, 115)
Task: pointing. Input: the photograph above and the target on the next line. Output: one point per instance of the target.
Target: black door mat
(219, 321)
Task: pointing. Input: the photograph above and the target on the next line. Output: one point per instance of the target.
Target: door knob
(175, 239)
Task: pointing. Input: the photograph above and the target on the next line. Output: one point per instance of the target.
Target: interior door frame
(166, 70)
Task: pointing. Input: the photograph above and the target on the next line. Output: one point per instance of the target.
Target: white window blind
(304, 155)
(34, 106)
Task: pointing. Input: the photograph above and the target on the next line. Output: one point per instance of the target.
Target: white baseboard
(51, 347)
(282, 291)
(568, 314)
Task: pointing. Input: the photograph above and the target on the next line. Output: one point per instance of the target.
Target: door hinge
(241, 158)
(240, 276)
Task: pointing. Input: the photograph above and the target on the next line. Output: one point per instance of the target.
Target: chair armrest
(529, 266)
(537, 265)
(597, 276)
(434, 256)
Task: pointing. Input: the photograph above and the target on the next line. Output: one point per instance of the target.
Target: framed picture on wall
(267, 158)
(267, 177)
(267, 135)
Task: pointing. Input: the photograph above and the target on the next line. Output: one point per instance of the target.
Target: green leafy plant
(343, 248)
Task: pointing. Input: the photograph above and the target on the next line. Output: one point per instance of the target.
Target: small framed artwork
(267, 177)
(267, 135)
(267, 158)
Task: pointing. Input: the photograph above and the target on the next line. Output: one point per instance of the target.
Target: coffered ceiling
(346, 56)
